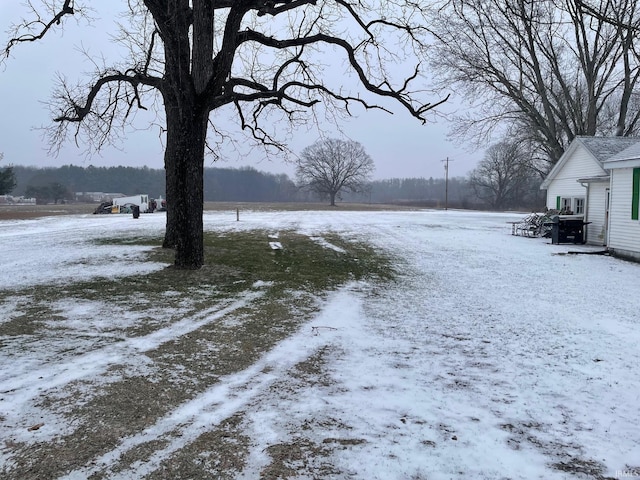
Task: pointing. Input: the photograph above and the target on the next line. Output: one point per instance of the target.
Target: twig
(316, 330)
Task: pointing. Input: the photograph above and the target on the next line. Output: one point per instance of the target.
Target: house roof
(629, 157)
(600, 149)
(603, 148)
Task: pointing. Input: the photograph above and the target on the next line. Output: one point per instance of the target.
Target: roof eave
(627, 163)
(596, 179)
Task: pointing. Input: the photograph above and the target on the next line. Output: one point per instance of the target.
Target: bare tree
(501, 177)
(331, 166)
(262, 60)
(545, 71)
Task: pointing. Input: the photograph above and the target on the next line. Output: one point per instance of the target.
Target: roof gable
(599, 148)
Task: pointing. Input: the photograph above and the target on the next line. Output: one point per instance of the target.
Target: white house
(624, 203)
(580, 182)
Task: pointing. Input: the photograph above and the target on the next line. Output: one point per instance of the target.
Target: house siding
(596, 206)
(624, 232)
(564, 184)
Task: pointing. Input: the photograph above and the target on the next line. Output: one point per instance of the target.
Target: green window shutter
(635, 195)
(558, 202)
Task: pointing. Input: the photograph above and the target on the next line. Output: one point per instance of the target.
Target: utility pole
(446, 182)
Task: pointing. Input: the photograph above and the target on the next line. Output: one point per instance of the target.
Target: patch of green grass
(236, 260)
(300, 264)
(140, 240)
(233, 263)
(179, 369)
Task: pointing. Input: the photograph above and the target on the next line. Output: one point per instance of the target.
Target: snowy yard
(491, 357)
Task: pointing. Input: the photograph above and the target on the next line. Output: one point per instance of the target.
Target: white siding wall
(596, 211)
(624, 233)
(580, 165)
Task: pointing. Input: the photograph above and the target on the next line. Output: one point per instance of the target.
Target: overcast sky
(399, 144)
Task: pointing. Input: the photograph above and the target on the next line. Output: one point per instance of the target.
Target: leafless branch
(37, 28)
(555, 68)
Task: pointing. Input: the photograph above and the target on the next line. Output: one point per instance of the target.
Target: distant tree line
(126, 180)
(430, 192)
(59, 184)
(53, 192)
(221, 184)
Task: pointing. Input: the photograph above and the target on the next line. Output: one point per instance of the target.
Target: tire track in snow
(232, 393)
(19, 389)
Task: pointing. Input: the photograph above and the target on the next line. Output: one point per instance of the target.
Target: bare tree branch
(560, 69)
(266, 62)
(38, 28)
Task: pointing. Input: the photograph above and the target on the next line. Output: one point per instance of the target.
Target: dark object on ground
(596, 252)
(567, 229)
(104, 207)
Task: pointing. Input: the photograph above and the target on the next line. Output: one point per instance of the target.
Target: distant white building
(11, 200)
(97, 196)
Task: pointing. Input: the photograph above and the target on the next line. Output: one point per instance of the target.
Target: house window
(571, 205)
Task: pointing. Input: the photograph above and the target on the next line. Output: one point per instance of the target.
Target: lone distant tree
(501, 177)
(331, 166)
(266, 61)
(7, 179)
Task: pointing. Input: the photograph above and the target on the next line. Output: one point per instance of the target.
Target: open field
(381, 344)
(13, 212)
(17, 212)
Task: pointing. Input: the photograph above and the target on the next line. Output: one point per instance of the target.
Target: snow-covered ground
(491, 357)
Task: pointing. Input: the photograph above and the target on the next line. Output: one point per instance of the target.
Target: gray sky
(399, 144)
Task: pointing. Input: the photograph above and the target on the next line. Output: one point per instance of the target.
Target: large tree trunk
(171, 232)
(186, 132)
(186, 115)
(189, 208)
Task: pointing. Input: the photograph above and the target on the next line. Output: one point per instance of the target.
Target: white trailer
(120, 204)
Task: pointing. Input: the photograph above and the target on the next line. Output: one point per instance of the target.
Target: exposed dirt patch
(300, 457)
(580, 466)
(182, 333)
(25, 212)
(219, 453)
